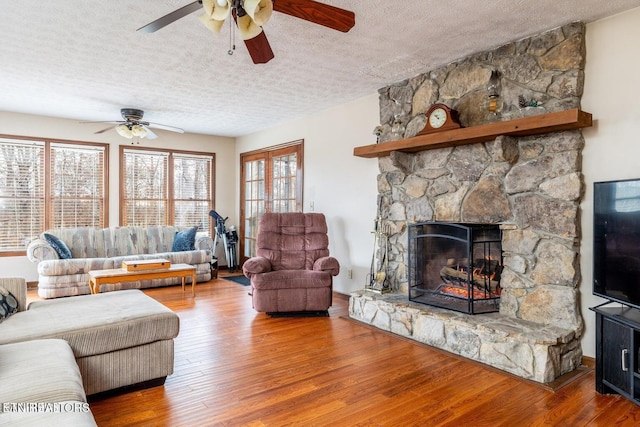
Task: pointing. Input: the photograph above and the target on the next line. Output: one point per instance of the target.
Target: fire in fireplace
(455, 266)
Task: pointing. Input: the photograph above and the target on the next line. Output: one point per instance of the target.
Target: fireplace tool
(377, 277)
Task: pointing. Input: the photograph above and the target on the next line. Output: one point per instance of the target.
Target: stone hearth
(526, 349)
(530, 186)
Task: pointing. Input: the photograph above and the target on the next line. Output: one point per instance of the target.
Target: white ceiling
(84, 60)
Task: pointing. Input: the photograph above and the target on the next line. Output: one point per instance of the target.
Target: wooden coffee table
(119, 275)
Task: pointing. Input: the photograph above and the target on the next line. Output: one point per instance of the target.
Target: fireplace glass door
(455, 266)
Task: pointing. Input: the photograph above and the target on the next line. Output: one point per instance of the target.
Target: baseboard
(338, 295)
(589, 362)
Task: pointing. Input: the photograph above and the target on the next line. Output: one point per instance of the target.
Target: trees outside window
(166, 187)
(49, 184)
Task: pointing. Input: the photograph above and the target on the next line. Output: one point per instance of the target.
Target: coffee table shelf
(119, 275)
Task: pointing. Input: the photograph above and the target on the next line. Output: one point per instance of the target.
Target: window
(166, 187)
(77, 186)
(72, 196)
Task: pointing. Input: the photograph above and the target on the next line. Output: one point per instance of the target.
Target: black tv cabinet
(617, 351)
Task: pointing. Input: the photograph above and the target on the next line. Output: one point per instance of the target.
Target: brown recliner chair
(292, 272)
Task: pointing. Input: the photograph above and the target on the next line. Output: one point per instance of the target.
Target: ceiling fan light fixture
(124, 131)
(248, 29)
(217, 9)
(139, 131)
(220, 11)
(259, 10)
(212, 24)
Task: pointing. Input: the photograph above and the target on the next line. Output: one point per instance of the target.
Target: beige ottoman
(118, 338)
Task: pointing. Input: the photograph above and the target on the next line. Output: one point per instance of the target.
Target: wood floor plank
(236, 367)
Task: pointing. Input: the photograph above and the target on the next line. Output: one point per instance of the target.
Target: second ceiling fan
(251, 15)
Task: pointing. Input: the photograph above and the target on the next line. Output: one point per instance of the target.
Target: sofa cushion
(8, 304)
(74, 266)
(184, 240)
(58, 245)
(39, 371)
(94, 324)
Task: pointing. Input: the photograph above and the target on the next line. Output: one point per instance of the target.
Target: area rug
(240, 280)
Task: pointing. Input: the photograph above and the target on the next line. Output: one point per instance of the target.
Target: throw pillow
(58, 245)
(185, 240)
(8, 304)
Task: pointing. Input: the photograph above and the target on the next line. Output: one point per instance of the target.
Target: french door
(271, 181)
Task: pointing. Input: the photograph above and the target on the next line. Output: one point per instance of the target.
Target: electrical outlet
(311, 206)
(349, 274)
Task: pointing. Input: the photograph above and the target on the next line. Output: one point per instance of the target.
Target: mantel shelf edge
(534, 125)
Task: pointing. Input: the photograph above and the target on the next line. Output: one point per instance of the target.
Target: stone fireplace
(530, 187)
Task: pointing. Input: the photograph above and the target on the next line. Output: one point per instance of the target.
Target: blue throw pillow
(58, 245)
(8, 304)
(185, 240)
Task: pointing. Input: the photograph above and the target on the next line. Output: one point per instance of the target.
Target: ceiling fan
(251, 15)
(133, 125)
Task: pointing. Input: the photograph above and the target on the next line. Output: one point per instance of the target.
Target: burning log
(461, 292)
(485, 274)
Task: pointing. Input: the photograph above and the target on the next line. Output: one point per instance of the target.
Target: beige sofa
(82, 346)
(106, 248)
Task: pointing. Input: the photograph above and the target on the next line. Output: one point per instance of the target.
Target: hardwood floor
(236, 367)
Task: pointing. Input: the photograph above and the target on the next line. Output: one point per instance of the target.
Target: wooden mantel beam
(534, 125)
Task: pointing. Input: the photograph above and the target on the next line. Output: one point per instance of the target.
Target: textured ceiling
(84, 60)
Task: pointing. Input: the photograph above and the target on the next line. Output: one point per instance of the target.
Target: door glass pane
(254, 195)
(284, 183)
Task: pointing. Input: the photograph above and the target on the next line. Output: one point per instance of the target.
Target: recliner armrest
(256, 265)
(328, 264)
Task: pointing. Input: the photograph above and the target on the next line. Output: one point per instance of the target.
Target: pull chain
(232, 38)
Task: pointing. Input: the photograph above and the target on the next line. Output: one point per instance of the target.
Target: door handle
(625, 352)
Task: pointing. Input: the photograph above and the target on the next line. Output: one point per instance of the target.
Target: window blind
(22, 192)
(77, 190)
(145, 199)
(192, 190)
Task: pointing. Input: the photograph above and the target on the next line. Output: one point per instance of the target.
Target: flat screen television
(616, 241)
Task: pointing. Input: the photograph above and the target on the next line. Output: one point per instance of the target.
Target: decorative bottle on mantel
(494, 103)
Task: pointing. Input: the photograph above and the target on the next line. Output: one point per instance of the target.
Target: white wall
(47, 127)
(341, 186)
(612, 145)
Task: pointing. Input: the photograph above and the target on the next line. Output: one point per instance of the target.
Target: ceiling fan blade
(318, 13)
(103, 121)
(164, 127)
(259, 49)
(171, 17)
(150, 134)
(105, 129)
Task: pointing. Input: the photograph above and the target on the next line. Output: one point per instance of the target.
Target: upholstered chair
(292, 271)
